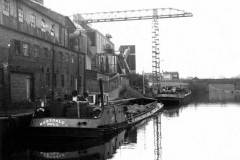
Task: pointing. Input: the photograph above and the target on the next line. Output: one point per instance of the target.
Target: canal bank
(10, 125)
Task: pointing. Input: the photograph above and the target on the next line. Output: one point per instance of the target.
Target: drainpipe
(84, 74)
(78, 65)
(6, 84)
(84, 68)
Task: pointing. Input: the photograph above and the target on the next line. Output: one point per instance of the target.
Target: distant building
(168, 76)
(131, 56)
(101, 57)
(165, 77)
(100, 61)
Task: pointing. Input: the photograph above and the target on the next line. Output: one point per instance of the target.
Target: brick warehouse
(37, 56)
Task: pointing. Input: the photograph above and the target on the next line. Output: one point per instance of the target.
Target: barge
(93, 118)
(173, 98)
(87, 121)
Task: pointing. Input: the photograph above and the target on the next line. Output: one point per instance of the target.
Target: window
(80, 81)
(17, 47)
(53, 30)
(66, 57)
(33, 20)
(25, 49)
(6, 7)
(20, 15)
(72, 59)
(62, 80)
(48, 79)
(55, 80)
(36, 50)
(72, 80)
(45, 50)
(61, 56)
(76, 83)
(43, 26)
(42, 69)
(28, 88)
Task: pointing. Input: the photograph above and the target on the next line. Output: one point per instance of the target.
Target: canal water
(206, 128)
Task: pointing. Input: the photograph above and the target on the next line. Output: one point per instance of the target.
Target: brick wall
(41, 13)
(46, 59)
(68, 64)
(19, 87)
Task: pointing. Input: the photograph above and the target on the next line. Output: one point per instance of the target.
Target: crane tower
(142, 14)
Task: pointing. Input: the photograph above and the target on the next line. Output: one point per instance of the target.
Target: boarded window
(20, 15)
(6, 7)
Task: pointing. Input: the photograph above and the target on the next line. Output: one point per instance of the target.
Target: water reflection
(101, 151)
(157, 137)
(131, 136)
(173, 111)
(209, 131)
(90, 149)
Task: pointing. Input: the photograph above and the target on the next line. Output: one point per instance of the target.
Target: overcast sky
(206, 45)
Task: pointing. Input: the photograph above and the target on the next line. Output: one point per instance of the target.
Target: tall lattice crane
(141, 14)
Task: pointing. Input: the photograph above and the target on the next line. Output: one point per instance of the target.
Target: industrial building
(167, 78)
(101, 62)
(44, 55)
(39, 54)
(170, 76)
(101, 57)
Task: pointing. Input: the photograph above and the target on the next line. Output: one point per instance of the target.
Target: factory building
(39, 57)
